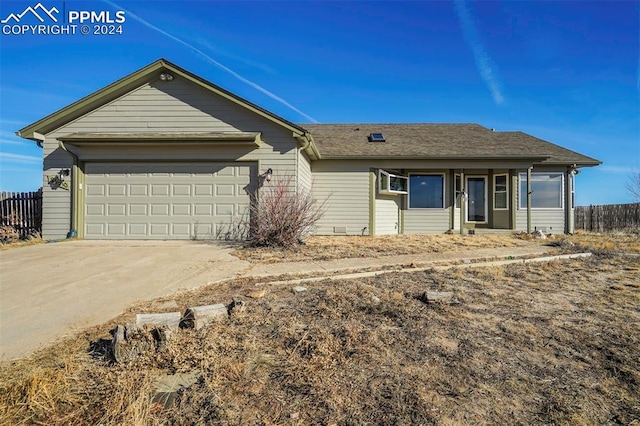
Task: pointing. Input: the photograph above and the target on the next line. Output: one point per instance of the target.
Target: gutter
(38, 138)
(74, 195)
(308, 145)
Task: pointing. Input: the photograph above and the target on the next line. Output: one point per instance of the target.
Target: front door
(476, 199)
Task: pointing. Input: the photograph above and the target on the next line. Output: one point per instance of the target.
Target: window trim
(444, 191)
(523, 176)
(457, 183)
(383, 174)
(506, 191)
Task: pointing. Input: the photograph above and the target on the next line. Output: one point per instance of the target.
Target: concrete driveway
(48, 290)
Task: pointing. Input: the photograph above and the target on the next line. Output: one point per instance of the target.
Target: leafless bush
(283, 215)
(8, 234)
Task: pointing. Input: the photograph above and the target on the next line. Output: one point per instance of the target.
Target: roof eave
(432, 157)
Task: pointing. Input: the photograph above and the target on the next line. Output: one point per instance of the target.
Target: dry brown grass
(624, 242)
(545, 343)
(21, 243)
(327, 248)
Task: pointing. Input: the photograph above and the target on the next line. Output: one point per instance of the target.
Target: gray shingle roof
(433, 141)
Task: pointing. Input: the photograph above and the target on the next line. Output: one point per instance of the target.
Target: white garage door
(164, 200)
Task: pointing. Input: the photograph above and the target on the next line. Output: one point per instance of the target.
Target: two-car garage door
(164, 200)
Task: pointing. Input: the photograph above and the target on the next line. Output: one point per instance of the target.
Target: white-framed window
(458, 184)
(547, 190)
(501, 192)
(391, 184)
(426, 191)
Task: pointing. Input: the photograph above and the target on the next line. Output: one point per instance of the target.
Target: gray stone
(437, 296)
(299, 289)
(166, 388)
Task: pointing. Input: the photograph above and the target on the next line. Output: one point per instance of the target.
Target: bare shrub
(282, 214)
(8, 234)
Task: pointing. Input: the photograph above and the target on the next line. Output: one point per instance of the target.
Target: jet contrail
(482, 59)
(212, 61)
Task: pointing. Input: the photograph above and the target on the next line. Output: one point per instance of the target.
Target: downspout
(304, 146)
(74, 194)
(571, 172)
(529, 199)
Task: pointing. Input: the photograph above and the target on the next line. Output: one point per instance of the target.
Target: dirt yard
(538, 343)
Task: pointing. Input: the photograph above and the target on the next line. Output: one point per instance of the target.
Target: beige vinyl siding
(549, 220)
(430, 221)
(56, 218)
(345, 187)
(387, 214)
(426, 221)
(176, 106)
(304, 171)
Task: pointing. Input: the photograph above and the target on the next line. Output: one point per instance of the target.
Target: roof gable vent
(377, 137)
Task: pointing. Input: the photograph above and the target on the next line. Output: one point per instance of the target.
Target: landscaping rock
(299, 289)
(166, 388)
(540, 235)
(256, 294)
(436, 296)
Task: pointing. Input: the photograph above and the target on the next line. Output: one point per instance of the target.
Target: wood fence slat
(608, 218)
(22, 211)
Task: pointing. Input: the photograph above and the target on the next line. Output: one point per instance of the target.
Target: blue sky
(565, 71)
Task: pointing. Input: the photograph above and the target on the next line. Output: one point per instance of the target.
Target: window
(546, 190)
(377, 137)
(426, 191)
(389, 183)
(458, 190)
(573, 191)
(500, 192)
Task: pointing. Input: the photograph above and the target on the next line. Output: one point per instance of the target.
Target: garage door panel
(138, 229)
(163, 200)
(181, 209)
(117, 229)
(116, 209)
(181, 189)
(138, 190)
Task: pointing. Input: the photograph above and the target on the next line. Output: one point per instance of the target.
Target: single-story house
(165, 154)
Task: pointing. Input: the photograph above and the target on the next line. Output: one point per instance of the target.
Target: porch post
(568, 204)
(463, 197)
(452, 206)
(529, 200)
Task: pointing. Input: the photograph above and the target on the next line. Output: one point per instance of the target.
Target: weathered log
(119, 347)
(200, 316)
(170, 319)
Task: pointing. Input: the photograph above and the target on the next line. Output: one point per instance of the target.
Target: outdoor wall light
(65, 172)
(166, 77)
(267, 175)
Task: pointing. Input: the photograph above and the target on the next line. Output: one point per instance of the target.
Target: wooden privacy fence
(608, 218)
(22, 211)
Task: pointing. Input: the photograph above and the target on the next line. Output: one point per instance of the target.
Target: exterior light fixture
(267, 175)
(166, 77)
